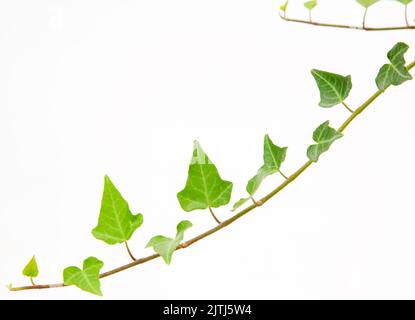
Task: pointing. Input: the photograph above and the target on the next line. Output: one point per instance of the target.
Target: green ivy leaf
(284, 6)
(324, 136)
(116, 223)
(164, 246)
(31, 270)
(405, 2)
(394, 73)
(204, 186)
(367, 3)
(310, 5)
(273, 158)
(86, 279)
(334, 88)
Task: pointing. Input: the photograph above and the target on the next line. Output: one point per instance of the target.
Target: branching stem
(344, 26)
(283, 175)
(231, 220)
(129, 251)
(347, 107)
(213, 215)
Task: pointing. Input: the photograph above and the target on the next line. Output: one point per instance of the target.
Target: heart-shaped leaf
(367, 3)
(334, 88)
(86, 279)
(164, 246)
(310, 5)
(273, 158)
(394, 73)
(283, 7)
(31, 270)
(204, 186)
(116, 223)
(324, 135)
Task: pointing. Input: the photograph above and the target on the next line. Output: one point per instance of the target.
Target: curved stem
(347, 107)
(364, 19)
(129, 251)
(32, 282)
(344, 26)
(232, 219)
(213, 215)
(283, 175)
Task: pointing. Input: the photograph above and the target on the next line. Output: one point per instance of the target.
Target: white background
(122, 88)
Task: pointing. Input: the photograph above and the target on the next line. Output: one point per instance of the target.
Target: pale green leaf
(284, 6)
(31, 270)
(324, 136)
(164, 246)
(116, 223)
(334, 88)
(273, 158)
(204, 186)
(310, 5)
(86, 279)
(405, 2)
(394, 73)
(367, 3)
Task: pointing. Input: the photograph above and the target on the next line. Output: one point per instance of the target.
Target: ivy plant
(205, 189)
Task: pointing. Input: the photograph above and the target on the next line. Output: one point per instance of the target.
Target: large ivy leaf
(116, 223)
(164, 246)
(31, 270)
(310, 5)
(394, 73)
(86, 279)
(334, 88)
(367, 3)
(204, 186)
(324, 136)
(273, 158)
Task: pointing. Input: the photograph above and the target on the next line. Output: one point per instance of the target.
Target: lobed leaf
(31, 270)
(394, 73)
(334, 88)
(86, 279)
(164, 246)
(273, 158)
(310, 5)
(204, 186)
(367, 3)
(324, 136)
(116, 223)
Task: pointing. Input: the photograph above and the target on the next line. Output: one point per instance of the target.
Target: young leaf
(334, 88)
(324, 135)
(394, 73)
(116, 223)
(273, 158)
(164, 246)
(284, 7)
(367, 3)
(310, 5)
(31, 270)
(86, 279)
(405, 2)
(204, 186)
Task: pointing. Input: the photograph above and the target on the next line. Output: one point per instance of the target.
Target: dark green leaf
(324, 136)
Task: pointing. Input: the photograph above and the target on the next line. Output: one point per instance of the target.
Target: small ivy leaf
(367, 3)
(394, 73)
(164, 246)
(31, 270)
(284, 6)
(204, 186)
(324, 135)
(273, 158)
(405, 2)
(239, 203)
(116, 223)
(310, 5)
(86, 279)
(334, 88)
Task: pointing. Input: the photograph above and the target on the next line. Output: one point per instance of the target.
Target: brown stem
(344, 26)
(232, 219)
(213, 215)
(129, 251)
